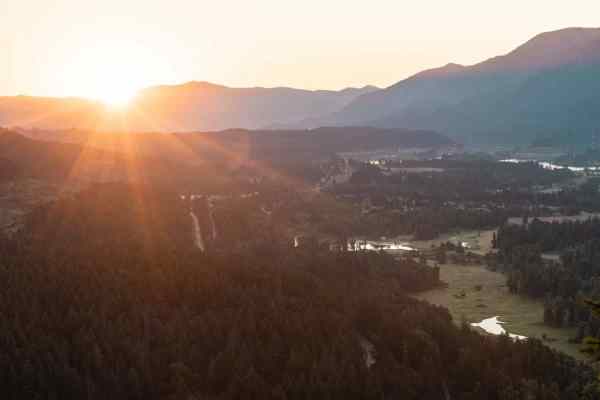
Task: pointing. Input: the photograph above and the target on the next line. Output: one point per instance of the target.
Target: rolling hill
(25, 157)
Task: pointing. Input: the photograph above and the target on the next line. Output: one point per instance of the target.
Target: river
(198, 239)
(359, 245)
(494, 326)
(551, 166)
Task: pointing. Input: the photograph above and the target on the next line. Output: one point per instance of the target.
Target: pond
(494, 326)
(359, 245)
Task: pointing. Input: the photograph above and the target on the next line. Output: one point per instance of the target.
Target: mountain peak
(548, 84)
(557, 37)
(555, 48)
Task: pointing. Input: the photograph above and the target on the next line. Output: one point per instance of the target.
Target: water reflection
(378, 245)
(494, 326)
(551, 166)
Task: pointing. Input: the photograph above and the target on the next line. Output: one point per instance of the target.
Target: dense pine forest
(105, 296)
(564, 281)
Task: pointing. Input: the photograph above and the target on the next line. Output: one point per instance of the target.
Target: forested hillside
(104, 296)
(256, 145)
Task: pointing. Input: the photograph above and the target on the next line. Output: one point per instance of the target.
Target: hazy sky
(78, 47)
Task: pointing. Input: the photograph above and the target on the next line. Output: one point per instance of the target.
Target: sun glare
(116, 97)
(111, 72)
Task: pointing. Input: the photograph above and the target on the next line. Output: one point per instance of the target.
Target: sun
(111, 72)
(116, 97)
(116, 81)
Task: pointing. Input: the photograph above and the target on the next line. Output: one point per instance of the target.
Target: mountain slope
(28, 158)
(188, 107)
(544, 87)
(204, 106)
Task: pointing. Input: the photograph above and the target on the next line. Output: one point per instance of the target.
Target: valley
(261, 245)
(432, 237)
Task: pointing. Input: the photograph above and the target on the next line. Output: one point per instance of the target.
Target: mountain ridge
(473, 102)
(544, 87)
(194, 105)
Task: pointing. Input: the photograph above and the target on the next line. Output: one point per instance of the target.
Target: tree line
(563, 283)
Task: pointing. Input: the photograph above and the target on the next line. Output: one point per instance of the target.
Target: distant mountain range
(194, 106)
(547, 89)
(205, 106)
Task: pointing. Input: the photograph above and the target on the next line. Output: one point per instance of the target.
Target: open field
(486, 295)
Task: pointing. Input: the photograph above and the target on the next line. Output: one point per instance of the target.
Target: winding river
(551, 166)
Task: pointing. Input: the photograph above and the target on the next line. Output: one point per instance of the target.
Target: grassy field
(486, 295)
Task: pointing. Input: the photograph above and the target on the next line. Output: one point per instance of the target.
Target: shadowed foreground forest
(104, 296)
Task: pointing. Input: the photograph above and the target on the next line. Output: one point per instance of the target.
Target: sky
(96, 48)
